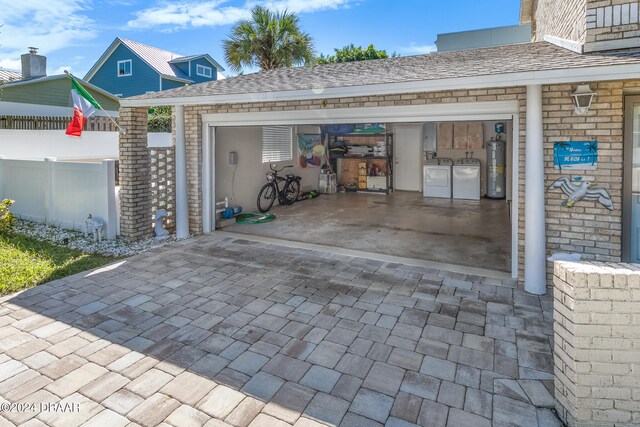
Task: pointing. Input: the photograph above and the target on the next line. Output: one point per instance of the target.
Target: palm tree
(557, 147)
(593, 149)
(267, 40)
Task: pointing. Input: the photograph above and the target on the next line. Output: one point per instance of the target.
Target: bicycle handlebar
(274, 168)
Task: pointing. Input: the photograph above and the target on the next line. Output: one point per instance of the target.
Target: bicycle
(286, 189)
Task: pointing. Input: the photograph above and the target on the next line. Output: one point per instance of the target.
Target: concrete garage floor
(403, 224)
(222, 332)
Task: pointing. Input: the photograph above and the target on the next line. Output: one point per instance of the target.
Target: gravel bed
(75, 240)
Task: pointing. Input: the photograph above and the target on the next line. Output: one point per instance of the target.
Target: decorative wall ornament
(581, 190)
(575, 155)
(94, 227)
(161, 233)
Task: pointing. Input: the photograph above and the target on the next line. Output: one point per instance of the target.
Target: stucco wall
(560, 18)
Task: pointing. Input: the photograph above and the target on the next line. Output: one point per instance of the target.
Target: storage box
(327, 183)
(377, 182)
(362, 182)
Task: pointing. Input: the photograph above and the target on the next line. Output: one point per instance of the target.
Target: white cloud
(303, 6)
(12, 64)
(48, 25)
(194, 13)
(414, 49)
(62, 69)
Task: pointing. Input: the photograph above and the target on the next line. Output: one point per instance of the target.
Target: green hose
(254, 218)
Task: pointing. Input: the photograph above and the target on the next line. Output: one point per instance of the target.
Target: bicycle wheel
(292, 192)
(266, 197)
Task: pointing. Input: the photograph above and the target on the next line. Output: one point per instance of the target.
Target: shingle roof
(8, 75)
(538, 56)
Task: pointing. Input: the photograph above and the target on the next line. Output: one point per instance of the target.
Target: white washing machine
(437, 178)
(466, 179)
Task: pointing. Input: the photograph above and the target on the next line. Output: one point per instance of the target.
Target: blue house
(129, 68)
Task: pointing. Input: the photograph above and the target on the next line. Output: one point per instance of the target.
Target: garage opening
(436, 191)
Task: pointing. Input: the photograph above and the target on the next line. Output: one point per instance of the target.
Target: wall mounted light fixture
(582, 98)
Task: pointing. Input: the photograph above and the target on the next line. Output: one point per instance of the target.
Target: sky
(74, 33)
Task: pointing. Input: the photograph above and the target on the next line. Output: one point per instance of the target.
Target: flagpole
(120, 128)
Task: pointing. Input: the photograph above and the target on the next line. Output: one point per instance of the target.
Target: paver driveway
(215, 331)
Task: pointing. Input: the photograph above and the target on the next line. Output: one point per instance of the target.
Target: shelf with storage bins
(363, 162)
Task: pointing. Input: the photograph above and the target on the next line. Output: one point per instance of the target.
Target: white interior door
(408, 157)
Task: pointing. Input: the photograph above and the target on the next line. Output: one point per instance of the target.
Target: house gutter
(546, 77)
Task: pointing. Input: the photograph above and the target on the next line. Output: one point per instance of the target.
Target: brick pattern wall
(163, 186)
(610, 20)
(565, 19)
(135, 188)
(588, 227)
(596, 343)
(193, 153)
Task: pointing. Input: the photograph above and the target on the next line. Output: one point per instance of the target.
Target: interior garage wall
(250, 171)
(481, 154)
(194, 133)
(245, 141)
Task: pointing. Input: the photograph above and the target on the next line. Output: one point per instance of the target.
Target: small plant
(6, 217)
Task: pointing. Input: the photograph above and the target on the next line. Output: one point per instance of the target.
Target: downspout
(535, 266)
(182, 204)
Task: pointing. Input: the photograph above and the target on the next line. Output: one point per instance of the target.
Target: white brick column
(534, 228)
(596, 332)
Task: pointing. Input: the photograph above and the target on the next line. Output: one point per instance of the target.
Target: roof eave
(62, 76)
(178, 79)
(103, 58)
(194, 57)
(570, 75)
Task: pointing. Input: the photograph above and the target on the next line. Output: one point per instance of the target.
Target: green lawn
(26, 262)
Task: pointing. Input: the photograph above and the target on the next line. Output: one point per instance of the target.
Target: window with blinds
(276, 144)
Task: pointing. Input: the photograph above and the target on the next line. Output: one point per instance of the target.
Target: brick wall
(588, 227)
(560, 18)
(135, 189)
(597, 343)
(609, 21)
(163, 185)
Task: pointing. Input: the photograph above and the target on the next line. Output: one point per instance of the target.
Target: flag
(83, 107)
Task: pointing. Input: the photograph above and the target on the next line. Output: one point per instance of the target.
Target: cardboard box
(377, 182)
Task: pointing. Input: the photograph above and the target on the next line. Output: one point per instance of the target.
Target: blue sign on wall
(582, 155)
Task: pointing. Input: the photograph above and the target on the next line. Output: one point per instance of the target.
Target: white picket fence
(62, 193)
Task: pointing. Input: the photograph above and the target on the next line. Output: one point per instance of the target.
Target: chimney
(33, 65)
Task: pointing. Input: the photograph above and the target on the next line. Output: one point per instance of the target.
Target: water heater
(496, 170)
